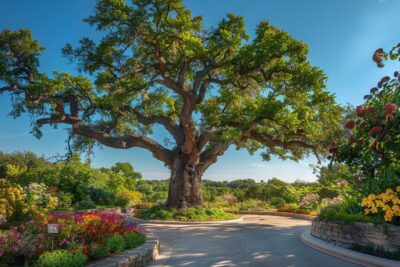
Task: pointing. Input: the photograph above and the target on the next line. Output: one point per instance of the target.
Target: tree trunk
(185, 183)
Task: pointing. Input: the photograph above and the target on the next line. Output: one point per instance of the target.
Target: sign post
(53, 228)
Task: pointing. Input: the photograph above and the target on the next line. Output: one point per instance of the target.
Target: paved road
(259, 240)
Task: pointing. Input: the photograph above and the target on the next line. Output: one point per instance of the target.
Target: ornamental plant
(371, 147)
(386, 203)
(19, 204)
(310, 201)
(80, 233)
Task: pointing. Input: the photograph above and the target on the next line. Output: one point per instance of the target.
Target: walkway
(260, 240)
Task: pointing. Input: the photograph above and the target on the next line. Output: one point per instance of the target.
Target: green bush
(101, 196)
(86, 203)
(64, 200)
(277, 202)
(61, 258)
(134, 240)
(333, 214)
(116, 243)
(99, 252)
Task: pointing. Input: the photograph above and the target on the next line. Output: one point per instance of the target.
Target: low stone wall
(384, 236)
(137, 257)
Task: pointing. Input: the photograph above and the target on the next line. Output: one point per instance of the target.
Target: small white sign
(53, 228)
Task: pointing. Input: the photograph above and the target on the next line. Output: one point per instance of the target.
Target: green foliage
(190, 214)
(116, 243)
(13, 166)
(131, 176)
(333, 214)
(127, 198)
(85, 203)
(277, 201)
(61, 258)
(99, 251)
(101, 196)
(134, 240)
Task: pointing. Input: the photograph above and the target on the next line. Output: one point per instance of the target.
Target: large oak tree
(156, 64)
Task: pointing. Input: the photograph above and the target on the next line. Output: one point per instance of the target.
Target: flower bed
(88, 236)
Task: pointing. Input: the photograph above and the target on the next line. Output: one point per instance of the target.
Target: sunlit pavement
(260, 240)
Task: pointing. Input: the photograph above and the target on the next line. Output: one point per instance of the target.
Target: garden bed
(79, 238)
(197, 214)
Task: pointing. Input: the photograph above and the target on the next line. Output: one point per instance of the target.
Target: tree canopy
(156, 64)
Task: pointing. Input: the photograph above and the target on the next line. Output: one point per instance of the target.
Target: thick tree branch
(211, 154)
(126, 141)
(168, 123)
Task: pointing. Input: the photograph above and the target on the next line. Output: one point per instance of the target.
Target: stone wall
(342, 234)
(138, 257)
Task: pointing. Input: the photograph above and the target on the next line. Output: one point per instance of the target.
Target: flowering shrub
(12, 200)
(310, 201)
(38, 194)
(21, 204)
(371, 147)
(128, 198)
(386, 203)
(78, 232)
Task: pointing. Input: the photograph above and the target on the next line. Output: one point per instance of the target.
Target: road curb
(188, 223)
(274, 213)
(346, 254)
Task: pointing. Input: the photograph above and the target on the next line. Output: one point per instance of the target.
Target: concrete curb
(275, 213)
(179, 222)
(346, 254)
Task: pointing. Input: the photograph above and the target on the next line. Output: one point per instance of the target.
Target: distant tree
(211, 88)
(20, 160)
(127, 170)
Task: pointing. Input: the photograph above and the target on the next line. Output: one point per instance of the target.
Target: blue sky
(342, 35)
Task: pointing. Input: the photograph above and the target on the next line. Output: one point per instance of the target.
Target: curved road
(260, 240)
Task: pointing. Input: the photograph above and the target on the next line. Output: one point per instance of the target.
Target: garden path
(259, 240)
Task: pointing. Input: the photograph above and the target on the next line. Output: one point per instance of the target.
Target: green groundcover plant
(191, 214)
(61, 258)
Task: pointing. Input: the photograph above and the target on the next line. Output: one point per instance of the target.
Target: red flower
(374, 90)
(376, 118)
(390, 109)
(385, 79)
(360, 110)
(375, 130)
(350, 124)
(378, 57)
(370, 110)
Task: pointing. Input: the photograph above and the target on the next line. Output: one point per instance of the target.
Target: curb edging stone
(346, 254)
